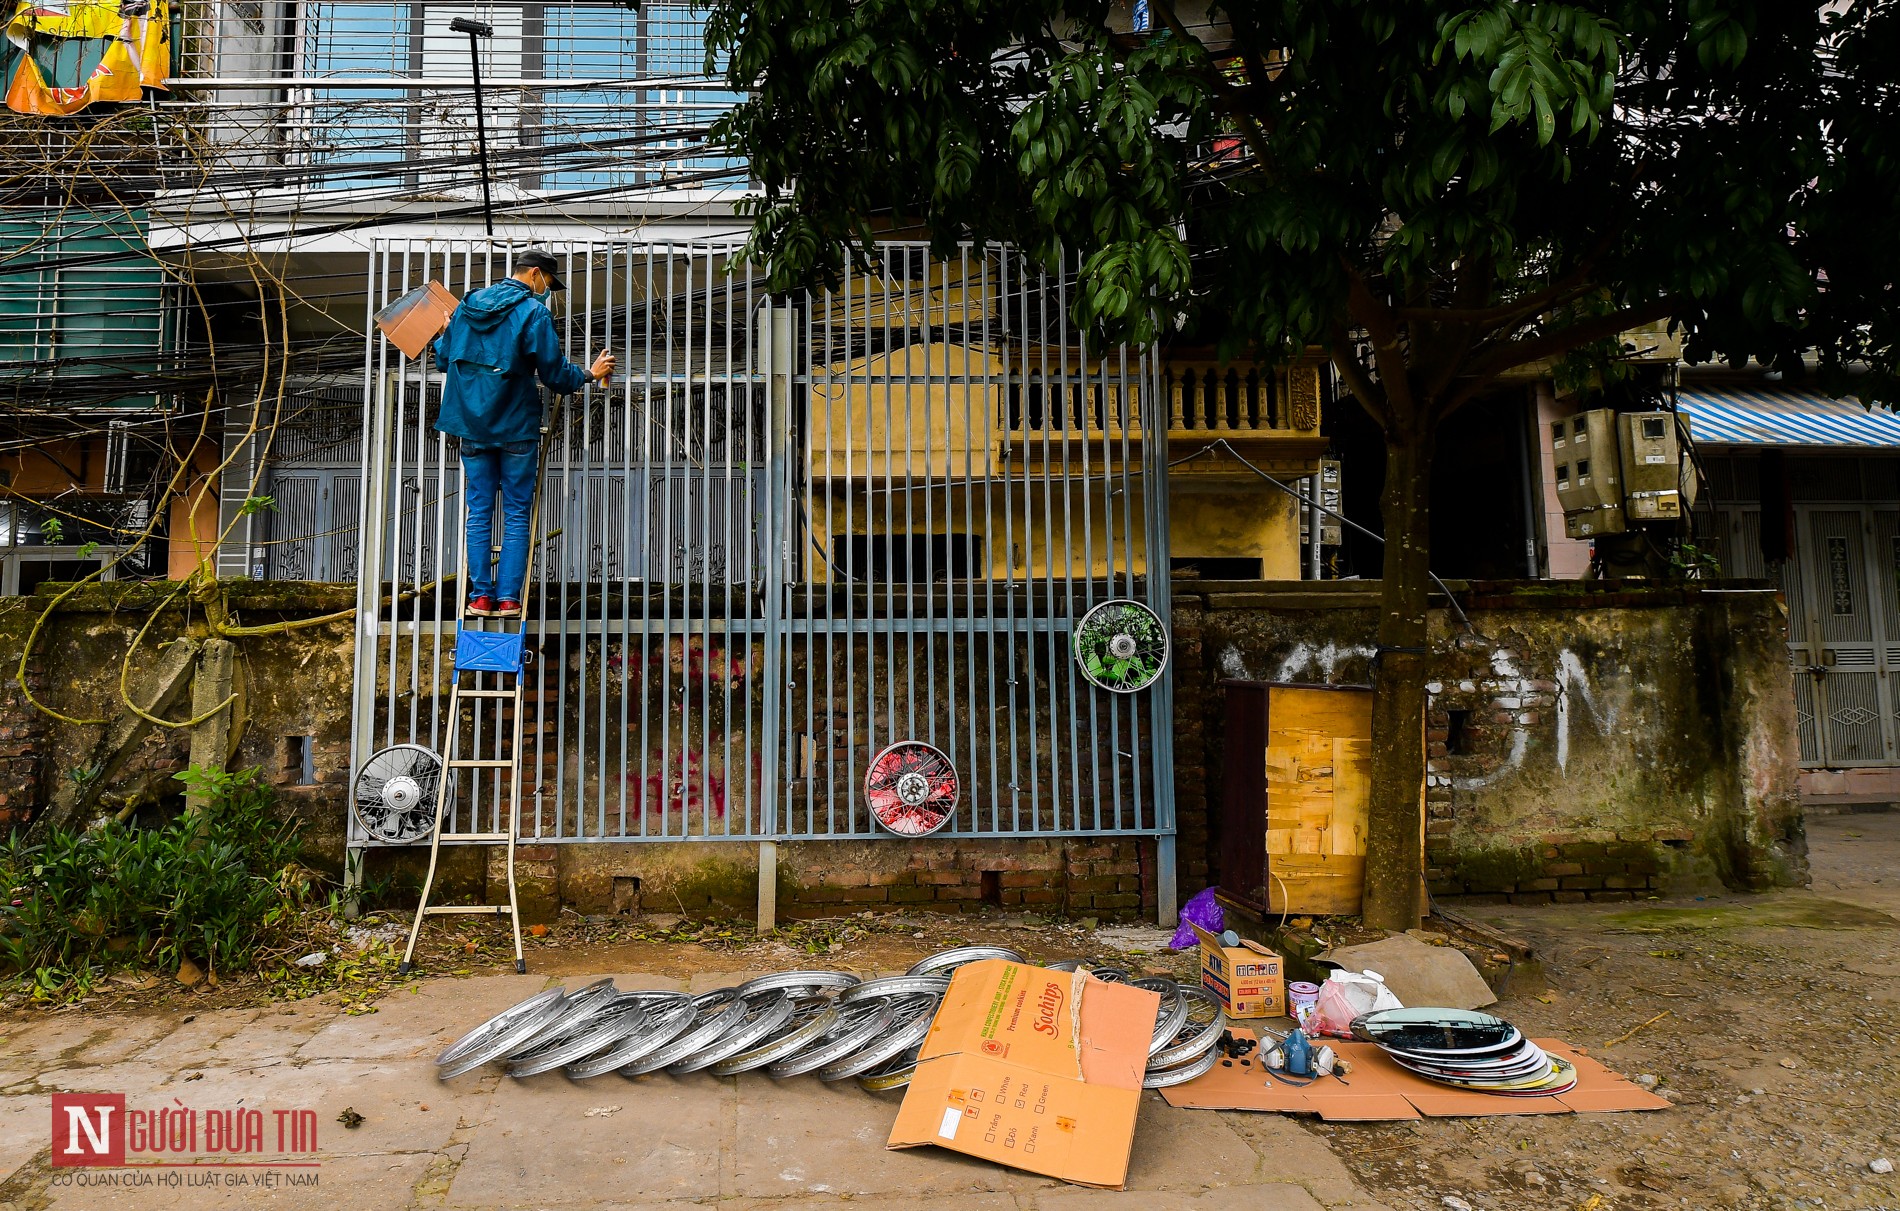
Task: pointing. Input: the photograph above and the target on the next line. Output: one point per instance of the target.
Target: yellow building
(976, 452)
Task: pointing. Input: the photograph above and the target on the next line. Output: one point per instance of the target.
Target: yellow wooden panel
(1352, 794)
(1318, 770)
(1320, 885)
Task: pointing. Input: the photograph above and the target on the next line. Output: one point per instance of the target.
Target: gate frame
(773, 325)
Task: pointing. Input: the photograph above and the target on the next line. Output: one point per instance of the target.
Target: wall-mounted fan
(395, 793)
(912, 788)
(1121, 646)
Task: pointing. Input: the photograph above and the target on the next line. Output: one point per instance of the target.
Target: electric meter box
(1652, 466)
(1589, 481)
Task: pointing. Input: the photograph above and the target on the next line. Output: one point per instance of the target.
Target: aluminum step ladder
(487, 648)
(507, 699)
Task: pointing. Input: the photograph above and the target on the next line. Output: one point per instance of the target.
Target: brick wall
(1107, 877)
(22, 754)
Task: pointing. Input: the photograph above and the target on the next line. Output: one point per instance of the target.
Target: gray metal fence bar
(795, 531)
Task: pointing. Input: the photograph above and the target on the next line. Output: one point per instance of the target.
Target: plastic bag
(1204, 910)
(1346, 995)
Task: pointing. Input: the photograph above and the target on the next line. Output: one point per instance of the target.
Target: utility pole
(476, 31)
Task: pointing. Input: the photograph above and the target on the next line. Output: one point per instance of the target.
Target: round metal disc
(1170, 1016)
(1121, 646)
(896, 986)
(621, 1016)
(765, 1012)
(1206, 1019)
(913, 1017)
(856, 1026)
(949, 960)
(714, 1013)
(504, 1039)
(811, 1018)
(801, 983)
(894, 1075)
(665, 1020)
(912, 789)
(395, 794)
(536, 1006)
(1181, 1074)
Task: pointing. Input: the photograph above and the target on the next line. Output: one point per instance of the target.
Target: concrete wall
(292, 685)
(1607, 743)
(1583, 744)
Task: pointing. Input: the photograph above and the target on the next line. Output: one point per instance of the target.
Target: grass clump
(212, 889)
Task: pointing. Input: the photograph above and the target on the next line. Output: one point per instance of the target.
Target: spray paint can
(1301, 996)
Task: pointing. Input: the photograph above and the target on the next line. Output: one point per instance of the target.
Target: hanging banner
(137, 55)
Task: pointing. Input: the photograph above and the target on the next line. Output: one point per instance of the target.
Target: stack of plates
(1467, 1050)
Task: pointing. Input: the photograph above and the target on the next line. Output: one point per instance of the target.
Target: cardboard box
(417, 318)
(1249, 979)
(1036, 1069)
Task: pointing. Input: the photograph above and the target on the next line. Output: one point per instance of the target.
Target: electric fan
(911, 788)
(395, 793)
(1121, 646)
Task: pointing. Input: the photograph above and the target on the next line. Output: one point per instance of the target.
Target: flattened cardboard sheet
(417, 318)
(1036, 1069)
(1378, 1090)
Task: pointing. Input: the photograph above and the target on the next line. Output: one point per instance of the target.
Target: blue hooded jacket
(499, 339)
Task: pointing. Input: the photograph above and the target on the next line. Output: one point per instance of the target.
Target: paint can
(1300, 999)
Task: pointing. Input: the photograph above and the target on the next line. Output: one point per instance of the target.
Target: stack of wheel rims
(828, 1024)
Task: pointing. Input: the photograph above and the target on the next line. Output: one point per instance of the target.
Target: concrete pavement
(486, 1141)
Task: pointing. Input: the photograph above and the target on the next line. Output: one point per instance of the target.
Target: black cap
(542, 259)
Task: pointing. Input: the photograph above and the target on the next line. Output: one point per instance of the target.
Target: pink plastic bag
(1346, 995)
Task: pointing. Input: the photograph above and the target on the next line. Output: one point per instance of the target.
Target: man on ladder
(498, 342)
(500, 339)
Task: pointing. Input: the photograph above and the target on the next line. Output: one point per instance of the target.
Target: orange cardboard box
(1035, 1069)
(417, 318)
(1249, 979)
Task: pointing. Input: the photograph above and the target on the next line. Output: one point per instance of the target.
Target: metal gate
(793, 532)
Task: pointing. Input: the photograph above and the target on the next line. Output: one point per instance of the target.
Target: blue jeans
(510, 469)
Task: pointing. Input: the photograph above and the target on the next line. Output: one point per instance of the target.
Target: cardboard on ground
(1249, 979)
(1381, 1090)
(1035, 1069)
(1418, 973)
(417, 318)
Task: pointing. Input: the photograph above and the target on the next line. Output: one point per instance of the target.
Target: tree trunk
(1396, 815)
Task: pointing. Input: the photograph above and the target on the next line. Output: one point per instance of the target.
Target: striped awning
(1786, 418)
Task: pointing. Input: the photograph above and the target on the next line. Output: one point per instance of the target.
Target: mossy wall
(1583, 743)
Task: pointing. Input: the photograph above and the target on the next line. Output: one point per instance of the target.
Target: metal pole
(481, 131)
(1313, 517)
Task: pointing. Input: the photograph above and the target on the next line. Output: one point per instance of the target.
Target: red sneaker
(509, 608)
(482, 607)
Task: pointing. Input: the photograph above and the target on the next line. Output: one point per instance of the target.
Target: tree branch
(1372, 314)
(1249, 123)
(1488, 366)
(1357, 381)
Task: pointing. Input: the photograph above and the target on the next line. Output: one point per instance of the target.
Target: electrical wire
(1226, 447)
